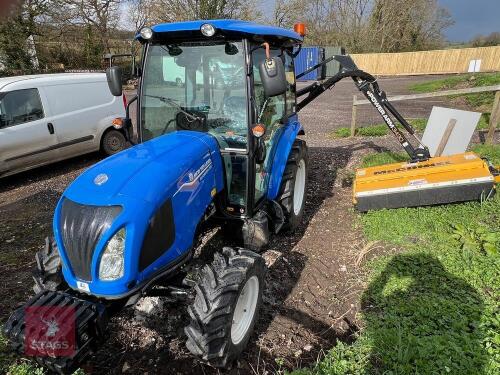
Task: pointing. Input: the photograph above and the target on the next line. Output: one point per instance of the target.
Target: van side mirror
(114, 77)
(272, 74)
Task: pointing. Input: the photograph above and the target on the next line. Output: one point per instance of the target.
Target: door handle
(50, 126)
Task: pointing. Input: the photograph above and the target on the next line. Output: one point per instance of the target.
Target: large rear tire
(48, 273)
(226, 306)
(292, 193)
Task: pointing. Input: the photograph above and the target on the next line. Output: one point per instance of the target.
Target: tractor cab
(205, 76)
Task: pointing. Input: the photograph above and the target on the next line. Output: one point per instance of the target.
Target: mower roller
(217, 143)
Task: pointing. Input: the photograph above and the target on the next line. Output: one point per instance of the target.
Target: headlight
(111, 266)
(207, 29)
(146, 33)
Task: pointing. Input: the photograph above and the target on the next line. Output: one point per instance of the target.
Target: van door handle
(50, 126)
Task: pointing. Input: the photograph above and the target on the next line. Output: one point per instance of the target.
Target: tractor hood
(155, 193)
(145, 172)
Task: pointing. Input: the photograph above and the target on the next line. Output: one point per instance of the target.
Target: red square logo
(50, 331)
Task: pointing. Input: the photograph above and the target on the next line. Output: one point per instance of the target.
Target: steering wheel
(184, 122)
(166, 126)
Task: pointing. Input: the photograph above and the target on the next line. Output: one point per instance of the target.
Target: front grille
(81, 229)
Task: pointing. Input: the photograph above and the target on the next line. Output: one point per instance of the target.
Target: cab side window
(270, 110)
(19, 107)
(290, 95)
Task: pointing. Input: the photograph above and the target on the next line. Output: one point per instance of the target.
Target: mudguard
(161, 188)
(281, 150)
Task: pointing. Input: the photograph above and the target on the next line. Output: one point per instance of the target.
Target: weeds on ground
(490, 152)
(14, 366)
(380, 158)
(432, 308)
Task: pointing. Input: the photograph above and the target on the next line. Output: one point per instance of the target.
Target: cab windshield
(195, 86)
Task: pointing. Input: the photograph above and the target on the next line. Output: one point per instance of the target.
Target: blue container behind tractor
(307, 58)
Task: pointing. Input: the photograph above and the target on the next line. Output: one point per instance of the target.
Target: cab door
(272, 112)
(27, 139)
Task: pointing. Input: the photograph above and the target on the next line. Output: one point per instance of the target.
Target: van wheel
(226, 306)
(113, 141)
(293, 187)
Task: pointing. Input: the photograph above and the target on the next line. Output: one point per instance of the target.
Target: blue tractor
(220, 144)
(217, 140)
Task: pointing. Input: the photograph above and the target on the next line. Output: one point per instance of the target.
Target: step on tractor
(217, 141)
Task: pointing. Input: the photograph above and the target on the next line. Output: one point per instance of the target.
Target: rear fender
(283, 147)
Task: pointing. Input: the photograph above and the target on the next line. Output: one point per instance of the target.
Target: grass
(380, 158)
(432, 306)
(377, 130)
(491, 152)
(481, 101)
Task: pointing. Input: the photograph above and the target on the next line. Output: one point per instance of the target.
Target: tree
(145, 12)
(101, 16)
(338, 22)
(288, 12)
(17, 46)
(492, 39)
(407, 25)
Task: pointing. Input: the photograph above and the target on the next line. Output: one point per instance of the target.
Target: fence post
(353, 116)
(494, 118)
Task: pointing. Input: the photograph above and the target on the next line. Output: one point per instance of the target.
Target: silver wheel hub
(245, 310)
(299, 187)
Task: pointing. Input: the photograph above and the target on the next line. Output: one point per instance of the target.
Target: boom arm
(368, 85)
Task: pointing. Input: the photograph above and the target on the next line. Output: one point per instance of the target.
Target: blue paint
(140, 180)
(283, 147)
(307, 58)
(228, 27)
(183, 166)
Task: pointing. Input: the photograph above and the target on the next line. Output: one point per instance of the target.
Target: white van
(46, 118)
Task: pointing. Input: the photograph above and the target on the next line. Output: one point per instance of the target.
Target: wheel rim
(114, 143)
(245, 310)
(300, 183)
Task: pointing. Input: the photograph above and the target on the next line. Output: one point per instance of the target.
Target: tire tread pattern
(209, 332)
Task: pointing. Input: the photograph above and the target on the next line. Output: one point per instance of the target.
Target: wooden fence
(495, 111)
(429, 62)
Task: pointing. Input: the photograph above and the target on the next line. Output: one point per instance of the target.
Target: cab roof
(227, 28)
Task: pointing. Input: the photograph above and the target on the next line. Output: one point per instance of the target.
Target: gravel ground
(315, 274)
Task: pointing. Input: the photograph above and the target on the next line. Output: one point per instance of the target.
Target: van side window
(19, 107)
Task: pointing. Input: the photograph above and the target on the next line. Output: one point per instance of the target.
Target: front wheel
(226, 306)
(113, 142)
(48, 273)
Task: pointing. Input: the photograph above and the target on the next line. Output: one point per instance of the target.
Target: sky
(472, 17)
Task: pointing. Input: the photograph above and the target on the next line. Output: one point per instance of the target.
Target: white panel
(461, 134)
(472, 65)
(477, 67)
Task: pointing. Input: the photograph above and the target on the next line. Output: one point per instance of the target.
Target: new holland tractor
(220, 144)
(217, 140)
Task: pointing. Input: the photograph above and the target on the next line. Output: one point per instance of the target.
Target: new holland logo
(100, 179)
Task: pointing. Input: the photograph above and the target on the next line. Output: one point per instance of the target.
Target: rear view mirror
(114, 77)
(272, 73)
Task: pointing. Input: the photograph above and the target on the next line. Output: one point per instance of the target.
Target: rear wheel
(228, 298)
(113, 141)
(48, 274)
(293, 187)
